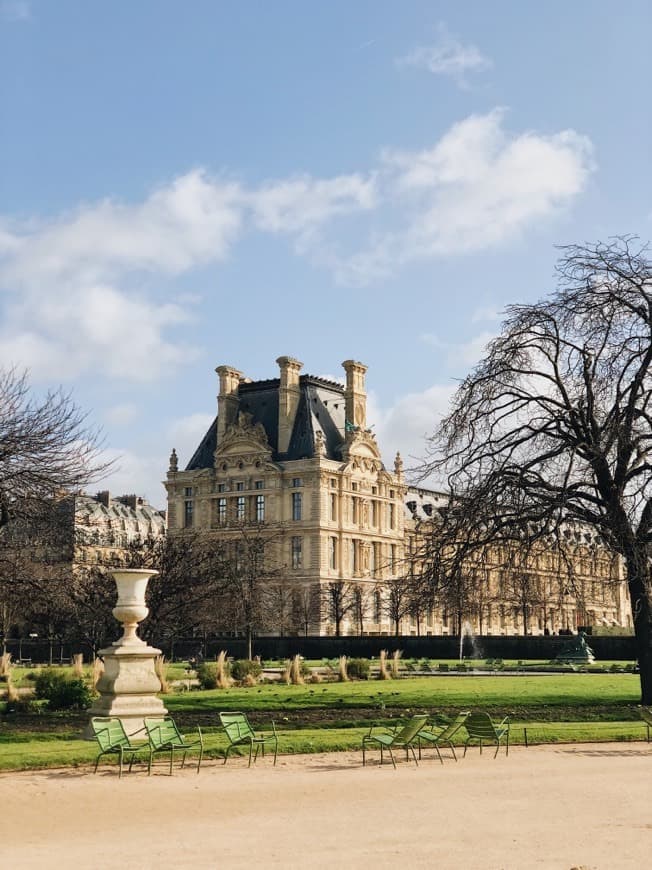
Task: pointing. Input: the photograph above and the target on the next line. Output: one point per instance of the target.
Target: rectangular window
(240, 508)
(221, 511)
(296, 481)
(333, 502)
(378, 607)
(332, 559)
(188, 514)
(333, 482)
(393, 558)
(259, 484)
(374, 514)
(372, 559)
(296, 505)
(188, 492)
(239, 486)
(354, 486)
(354, 557)
(392, 516)
(355, 510)
(260, 508)
(296, 552)
(221, 487)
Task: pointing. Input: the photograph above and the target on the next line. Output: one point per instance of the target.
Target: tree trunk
(638, 580)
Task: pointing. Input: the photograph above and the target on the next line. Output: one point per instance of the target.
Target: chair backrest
(236, 725)
(162, 731)
(109, 732)
(453, 726)
(410, 730)
(479, 725)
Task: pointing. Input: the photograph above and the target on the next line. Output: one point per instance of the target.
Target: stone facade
(293, 455)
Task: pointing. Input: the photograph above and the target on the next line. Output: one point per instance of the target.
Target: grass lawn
(329, 716)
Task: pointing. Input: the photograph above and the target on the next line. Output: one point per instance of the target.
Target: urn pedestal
(129, 686)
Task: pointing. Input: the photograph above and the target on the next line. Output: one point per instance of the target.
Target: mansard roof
(321, 408)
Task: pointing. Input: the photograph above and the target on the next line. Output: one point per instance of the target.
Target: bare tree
(338, 600)
(554, 425)
(46, 447)
(251, 573)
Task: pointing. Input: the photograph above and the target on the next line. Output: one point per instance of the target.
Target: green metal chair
(402, 736)
(240, 733)
(164, 736)
(480, 727)
(443, 736)
(113, 740)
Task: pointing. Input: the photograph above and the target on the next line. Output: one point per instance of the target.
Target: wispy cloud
(448, 56)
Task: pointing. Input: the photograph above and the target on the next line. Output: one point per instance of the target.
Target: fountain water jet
(467, 631)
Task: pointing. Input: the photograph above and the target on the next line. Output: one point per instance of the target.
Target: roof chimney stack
(227, 400)
(288, 399)
(355, 396)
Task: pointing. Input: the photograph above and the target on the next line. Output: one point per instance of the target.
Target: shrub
(241, 668)
(207, 675)
(61, 692)
(359, 669)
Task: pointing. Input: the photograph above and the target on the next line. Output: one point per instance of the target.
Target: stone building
(557, 586)
(293, 455)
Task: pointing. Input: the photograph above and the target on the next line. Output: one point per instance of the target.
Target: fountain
(467, 631)
(129, 686)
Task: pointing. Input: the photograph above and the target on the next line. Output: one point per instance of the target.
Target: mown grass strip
(42, 752)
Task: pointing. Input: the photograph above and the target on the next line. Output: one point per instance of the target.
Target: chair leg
(275, 751)
(414, 755)
(251, 746)
(201, 754)
(97, 760)
(439, 753)
(120, 769)
(450, 743)
(391, 755)
(171, 760)
(149, 765)
(507, 744)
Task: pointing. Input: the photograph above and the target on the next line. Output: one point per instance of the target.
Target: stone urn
(129, 686)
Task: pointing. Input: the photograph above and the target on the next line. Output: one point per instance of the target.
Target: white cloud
(478, 187)
(447, 56)
(185, 434)
(81, 289)
(406, 425)
(121, 415)
(299, 205)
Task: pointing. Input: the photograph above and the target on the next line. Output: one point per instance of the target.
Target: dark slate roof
(203, 457)
(321, 407)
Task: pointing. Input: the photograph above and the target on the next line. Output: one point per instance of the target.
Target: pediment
(244, 438)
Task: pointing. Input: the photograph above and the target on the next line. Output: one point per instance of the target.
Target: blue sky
(189, 184)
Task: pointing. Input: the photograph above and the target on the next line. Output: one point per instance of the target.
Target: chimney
(288, 399)
(354, 395)
(227, 400)
(104, 498)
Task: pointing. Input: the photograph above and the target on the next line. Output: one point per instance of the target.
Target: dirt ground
(579, 806)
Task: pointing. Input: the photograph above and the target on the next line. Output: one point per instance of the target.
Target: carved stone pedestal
(129, 686)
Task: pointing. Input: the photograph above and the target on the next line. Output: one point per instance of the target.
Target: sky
(191, 183)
